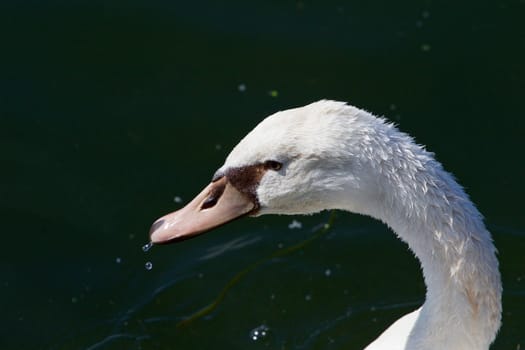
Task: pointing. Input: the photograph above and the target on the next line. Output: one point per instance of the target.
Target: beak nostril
(155, 226)
(213, 197)
(209, 202)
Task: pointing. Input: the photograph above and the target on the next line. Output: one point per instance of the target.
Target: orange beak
(220, 202)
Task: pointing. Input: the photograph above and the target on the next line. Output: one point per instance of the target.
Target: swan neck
(458, 258)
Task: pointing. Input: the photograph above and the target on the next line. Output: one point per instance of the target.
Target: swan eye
(273, 165)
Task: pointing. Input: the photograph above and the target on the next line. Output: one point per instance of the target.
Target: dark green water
(110, 110)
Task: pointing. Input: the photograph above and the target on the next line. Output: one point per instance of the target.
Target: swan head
(297, 161)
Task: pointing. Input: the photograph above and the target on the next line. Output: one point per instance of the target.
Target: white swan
(329, 155)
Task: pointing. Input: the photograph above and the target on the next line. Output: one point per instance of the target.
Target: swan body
(330, 155)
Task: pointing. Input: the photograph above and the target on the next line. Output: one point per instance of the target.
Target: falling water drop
(147, 247)
(149, 265)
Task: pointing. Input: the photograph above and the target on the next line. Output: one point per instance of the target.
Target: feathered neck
(428, 210)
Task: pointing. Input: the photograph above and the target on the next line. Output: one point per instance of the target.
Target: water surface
(113, 114)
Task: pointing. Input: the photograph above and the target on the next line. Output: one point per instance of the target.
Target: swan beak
(217, 204)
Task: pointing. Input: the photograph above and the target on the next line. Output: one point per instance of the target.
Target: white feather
(336, 156)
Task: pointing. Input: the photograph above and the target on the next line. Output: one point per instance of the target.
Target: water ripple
(114, 337)
(350, 312)
(234, 244)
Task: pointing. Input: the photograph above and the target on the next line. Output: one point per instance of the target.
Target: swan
(331, 155)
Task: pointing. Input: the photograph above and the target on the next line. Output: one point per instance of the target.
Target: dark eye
(273, 165)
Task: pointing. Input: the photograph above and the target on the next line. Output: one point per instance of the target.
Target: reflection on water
(236, 243)
(259, 333)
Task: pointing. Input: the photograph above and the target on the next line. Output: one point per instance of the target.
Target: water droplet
(241, 87)
(147, 247)
(148, 265)
(259, 333)
(177, 199)
(327, 272)
(118, 260)
(295, 224)
(308, 297)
